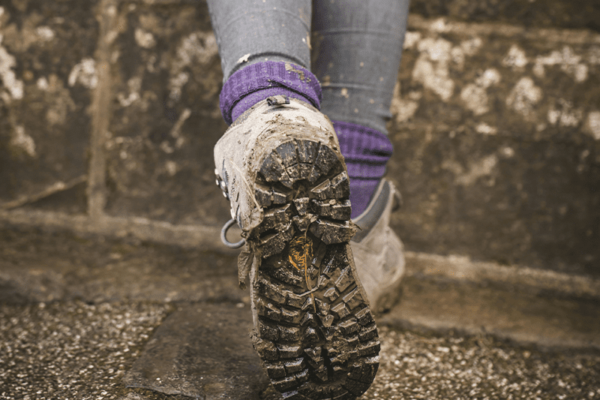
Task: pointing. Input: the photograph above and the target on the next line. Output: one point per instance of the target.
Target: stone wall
(47, 76)
(497, 137)
(109, 111)
(574, 14)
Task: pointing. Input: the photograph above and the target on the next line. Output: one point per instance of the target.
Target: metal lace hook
(226, 242)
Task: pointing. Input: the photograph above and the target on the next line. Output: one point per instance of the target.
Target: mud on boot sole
(314, 331)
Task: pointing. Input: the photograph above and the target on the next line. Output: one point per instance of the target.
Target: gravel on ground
(76, 350)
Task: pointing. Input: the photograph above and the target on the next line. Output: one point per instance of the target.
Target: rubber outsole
(314, 330)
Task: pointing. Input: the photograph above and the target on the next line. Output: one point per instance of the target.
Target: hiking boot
(378, 252)
(280, 166)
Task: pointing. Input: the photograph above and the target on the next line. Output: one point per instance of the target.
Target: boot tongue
(375, 209)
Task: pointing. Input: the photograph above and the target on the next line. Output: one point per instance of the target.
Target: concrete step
(545, 320)
(440, 293)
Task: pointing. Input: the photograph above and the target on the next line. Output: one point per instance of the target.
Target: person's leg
(264, 48)
(281, 168)
(357, 45)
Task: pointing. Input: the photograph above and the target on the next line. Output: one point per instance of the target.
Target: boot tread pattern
(316, 335)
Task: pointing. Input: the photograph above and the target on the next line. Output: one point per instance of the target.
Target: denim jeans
(356, 47)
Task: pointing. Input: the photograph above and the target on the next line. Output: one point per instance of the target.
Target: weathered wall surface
(574, 14)
(497, 138)
(110, 109)
(164, 117)
(47, 73)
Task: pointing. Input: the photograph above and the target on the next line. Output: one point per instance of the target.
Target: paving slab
(202, 351)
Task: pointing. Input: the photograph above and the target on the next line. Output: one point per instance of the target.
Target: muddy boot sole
(314, 330)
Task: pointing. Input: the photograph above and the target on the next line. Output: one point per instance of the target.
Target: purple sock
(366, 151)
(256, 82)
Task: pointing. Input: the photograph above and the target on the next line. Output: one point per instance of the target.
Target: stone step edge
(434, 326)
(420, 265)
(462, 268)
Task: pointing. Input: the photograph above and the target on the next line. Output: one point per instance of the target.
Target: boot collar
(379, 201)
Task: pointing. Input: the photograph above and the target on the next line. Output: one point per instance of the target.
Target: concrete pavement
(91, 318)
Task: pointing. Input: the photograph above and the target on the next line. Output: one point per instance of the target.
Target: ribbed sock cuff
(256, 82)
(366, 152)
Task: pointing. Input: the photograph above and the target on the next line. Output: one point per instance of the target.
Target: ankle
(256, 82)
(246, 102)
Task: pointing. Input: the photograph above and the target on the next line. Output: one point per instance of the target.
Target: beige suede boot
(280, 166)
(378, 252)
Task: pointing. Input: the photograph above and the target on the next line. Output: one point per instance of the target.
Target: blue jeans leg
(357, 46)
(251, 31)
